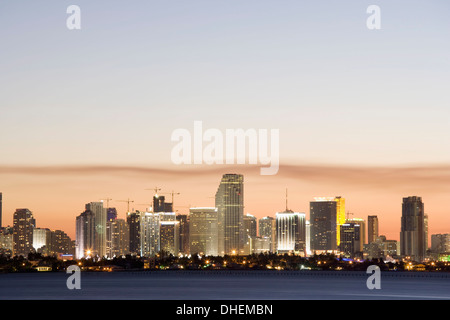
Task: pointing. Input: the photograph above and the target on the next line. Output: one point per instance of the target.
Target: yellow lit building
(340, 217)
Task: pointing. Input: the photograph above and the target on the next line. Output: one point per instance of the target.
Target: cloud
(424, 177)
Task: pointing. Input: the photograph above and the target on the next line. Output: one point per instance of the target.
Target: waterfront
(233, 285)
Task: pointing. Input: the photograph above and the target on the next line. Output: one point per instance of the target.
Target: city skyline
(185, 210)
(88, 114)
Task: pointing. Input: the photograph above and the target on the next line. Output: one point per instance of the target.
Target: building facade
(291, 232)
(23, 225)
(413, 232)
(230, 206)
(204, 231)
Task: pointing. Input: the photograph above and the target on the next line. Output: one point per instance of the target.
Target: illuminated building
(308, 238)
(249, 231)
(184, 233)
(1, 208)
(440, 243)
(351, 240)
(372, 226)
(413, 231)
(41, 240)
(230, 206)
(149, 234)
(167, 216)
(6, 241)
(120, 238)
(381, 248)
(99, 213)
(362, 231)
(160, 204)
(85, 229)
(267, 229)
(203, 231)
(291, 232)
(134, 225)
(425, 226)
(260, 245)
(169, 232)
(60, 243)
(326, 216)
(23, 225)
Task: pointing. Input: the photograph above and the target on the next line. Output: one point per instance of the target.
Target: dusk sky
(88, 114)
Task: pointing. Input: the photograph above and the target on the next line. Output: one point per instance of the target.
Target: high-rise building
(308, 238)
(230, 206)
(259, 245)
(183, 219)
(381, 248)
(149, 234)
(291, 232)
(1, 208)
(362, 231)
(60, 243)
(267, 229)
(440, 243)
(372, 231)
(23, 225)
(169, 233)
(134, 225)
(6, 241)
(351, 239)
(413, 233)
(160, 204)
(99, 228)
(203, 231)
(42, 240)
(120, 238)
(111, 216)
(167, 216)
(425, 225)
(250, 227)
(326, 216)
(85, 233)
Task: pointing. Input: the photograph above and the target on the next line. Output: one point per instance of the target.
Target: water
(225, 285)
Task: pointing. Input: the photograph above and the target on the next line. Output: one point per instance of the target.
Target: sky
(88, 114)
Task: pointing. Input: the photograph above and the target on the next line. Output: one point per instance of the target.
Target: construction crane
(149, 205)
(128, 202)
(107, 202)
(349, 213)
(156, 189)
(173, 193)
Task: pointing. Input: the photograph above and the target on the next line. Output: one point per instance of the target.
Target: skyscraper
(230, 205)
(372, 226)
(184, 233)
(267, 229)
(23, 225)
(160, 204)
(203, 231)
(120, 238)
(323, 224)
(351, 239)
(362, 231)
(85, 230)
(249, 231)
(149, 234)
(99, 227)
(111, 216)
(1, 208)
(134, 225)
(169, 233)
(291, 232)
(42, 240)
(412, 234)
